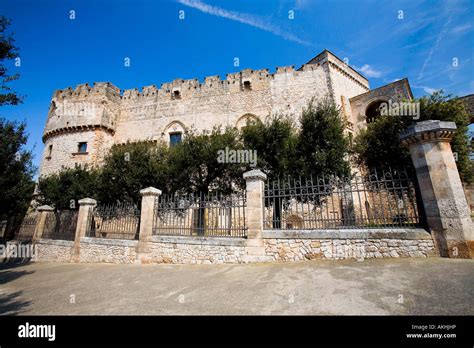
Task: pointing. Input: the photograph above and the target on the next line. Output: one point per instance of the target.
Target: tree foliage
(378, 146)
(8, 51)
(275, 142)
(194, 167)
(64, 189)
(322, 145)
(131, 167)
(16, 169)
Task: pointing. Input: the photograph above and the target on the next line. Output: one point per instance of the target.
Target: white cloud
(427, 89)
(430, 90)
(461, 28)
(434, 48)
(244, 18)
(369, 71)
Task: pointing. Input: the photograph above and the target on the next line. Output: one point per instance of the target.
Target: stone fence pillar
(43, 212)
(149, 196)
(86, 205)
(445, 204)
(255, 180)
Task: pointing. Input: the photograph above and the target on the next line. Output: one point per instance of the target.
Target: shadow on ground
(10, 303)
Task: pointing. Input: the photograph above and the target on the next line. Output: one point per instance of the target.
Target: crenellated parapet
(247, 79)
(98, 89)
(100, 104)
(84, 107)
(86, 121)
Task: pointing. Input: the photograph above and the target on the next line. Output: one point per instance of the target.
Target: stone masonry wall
(53, 251)
(75, 115)
(196, 251)
(221, 102)
(107, 250)
(190, 250)
(162, 250)
(65, 146)
(307, 249)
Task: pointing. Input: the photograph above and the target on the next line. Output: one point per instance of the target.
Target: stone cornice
(347, 74)
(426, 131)
(87, 201)
(255, 174)
(73, 129)
(150, 191)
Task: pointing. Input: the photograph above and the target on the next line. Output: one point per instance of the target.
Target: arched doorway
(373, 110)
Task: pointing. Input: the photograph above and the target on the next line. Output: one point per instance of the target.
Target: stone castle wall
(65, 149)
(102, 115)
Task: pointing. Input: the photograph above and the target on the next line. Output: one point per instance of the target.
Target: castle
(83, 123)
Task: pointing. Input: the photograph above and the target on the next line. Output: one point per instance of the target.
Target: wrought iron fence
(114, 221)
(211, 214)
(379, 199)
(60, 225)
(27, 228)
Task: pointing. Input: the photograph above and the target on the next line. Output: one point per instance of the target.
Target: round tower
(80, 126)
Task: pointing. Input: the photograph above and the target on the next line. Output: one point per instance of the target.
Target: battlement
(246, 79)
(85, 90)
(102, 103)
(84, 107)
(233, 82)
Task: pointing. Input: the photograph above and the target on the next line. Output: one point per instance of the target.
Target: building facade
(85, 122)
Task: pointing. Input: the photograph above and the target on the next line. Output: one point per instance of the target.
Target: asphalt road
(372, 287)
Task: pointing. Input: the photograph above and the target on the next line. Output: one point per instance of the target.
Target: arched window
(173, 132)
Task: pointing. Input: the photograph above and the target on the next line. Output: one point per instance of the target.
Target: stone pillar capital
(87, 201)
(428, 131)
(255, 174)
(45, 208)
(150, 191)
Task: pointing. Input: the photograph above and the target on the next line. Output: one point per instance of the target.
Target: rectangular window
(175, 138)
(50, 151)
(82, 148)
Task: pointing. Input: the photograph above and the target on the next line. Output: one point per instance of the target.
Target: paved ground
(425, 286)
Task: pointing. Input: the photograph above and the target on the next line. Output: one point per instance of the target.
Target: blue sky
(420, 43)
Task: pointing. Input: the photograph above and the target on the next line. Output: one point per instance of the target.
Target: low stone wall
(280, 245)
(108, 250)
(196, 250)
(348, 244)
(49, 250)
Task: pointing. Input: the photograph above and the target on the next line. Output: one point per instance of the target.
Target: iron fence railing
(378, 199)
(27, 228)
(60, 225)
(212, 214)
(114, 221)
